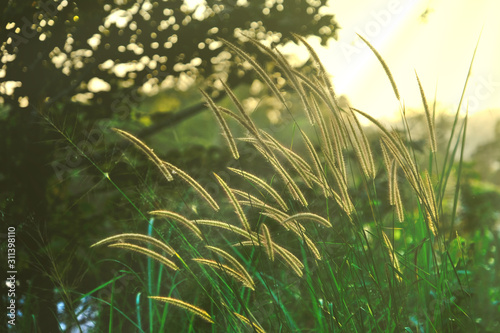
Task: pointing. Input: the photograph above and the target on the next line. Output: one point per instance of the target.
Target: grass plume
(137, 237)
(187, 178)
(139, 249)
(222, 123)
(179, 218)
(186, 306)
(146, 150)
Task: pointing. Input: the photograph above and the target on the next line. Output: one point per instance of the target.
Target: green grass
(331, 237)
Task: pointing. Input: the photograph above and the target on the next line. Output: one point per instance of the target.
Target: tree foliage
(78, 64)
(56, 50)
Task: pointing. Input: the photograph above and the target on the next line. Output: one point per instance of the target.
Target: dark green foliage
(48, 188)
(43, 81)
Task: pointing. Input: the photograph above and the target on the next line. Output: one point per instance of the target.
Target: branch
(171, 120)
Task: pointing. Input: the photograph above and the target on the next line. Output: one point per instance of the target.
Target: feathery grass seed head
(137, 237)
(228, 270)
(268, 242)
(234, 202)
(392, 256)
(191, 308)
(235, 263)
(254, 325)
(225, 128)
(194, 184)
(179, 218)
(148, 151)
(262, 185)
(384, 65)
(147, 252)
(430, 121)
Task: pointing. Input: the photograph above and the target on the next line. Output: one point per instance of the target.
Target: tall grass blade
(138, 309)
(443, 180)
(459, 174)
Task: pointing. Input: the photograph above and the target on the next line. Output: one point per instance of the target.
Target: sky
(439, 47)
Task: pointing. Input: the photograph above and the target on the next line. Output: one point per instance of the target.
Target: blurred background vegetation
(72, 70)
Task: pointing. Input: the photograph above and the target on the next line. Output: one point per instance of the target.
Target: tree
(81, 62)
(136, 44)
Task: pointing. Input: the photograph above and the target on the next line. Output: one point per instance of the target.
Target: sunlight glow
(435, 38)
